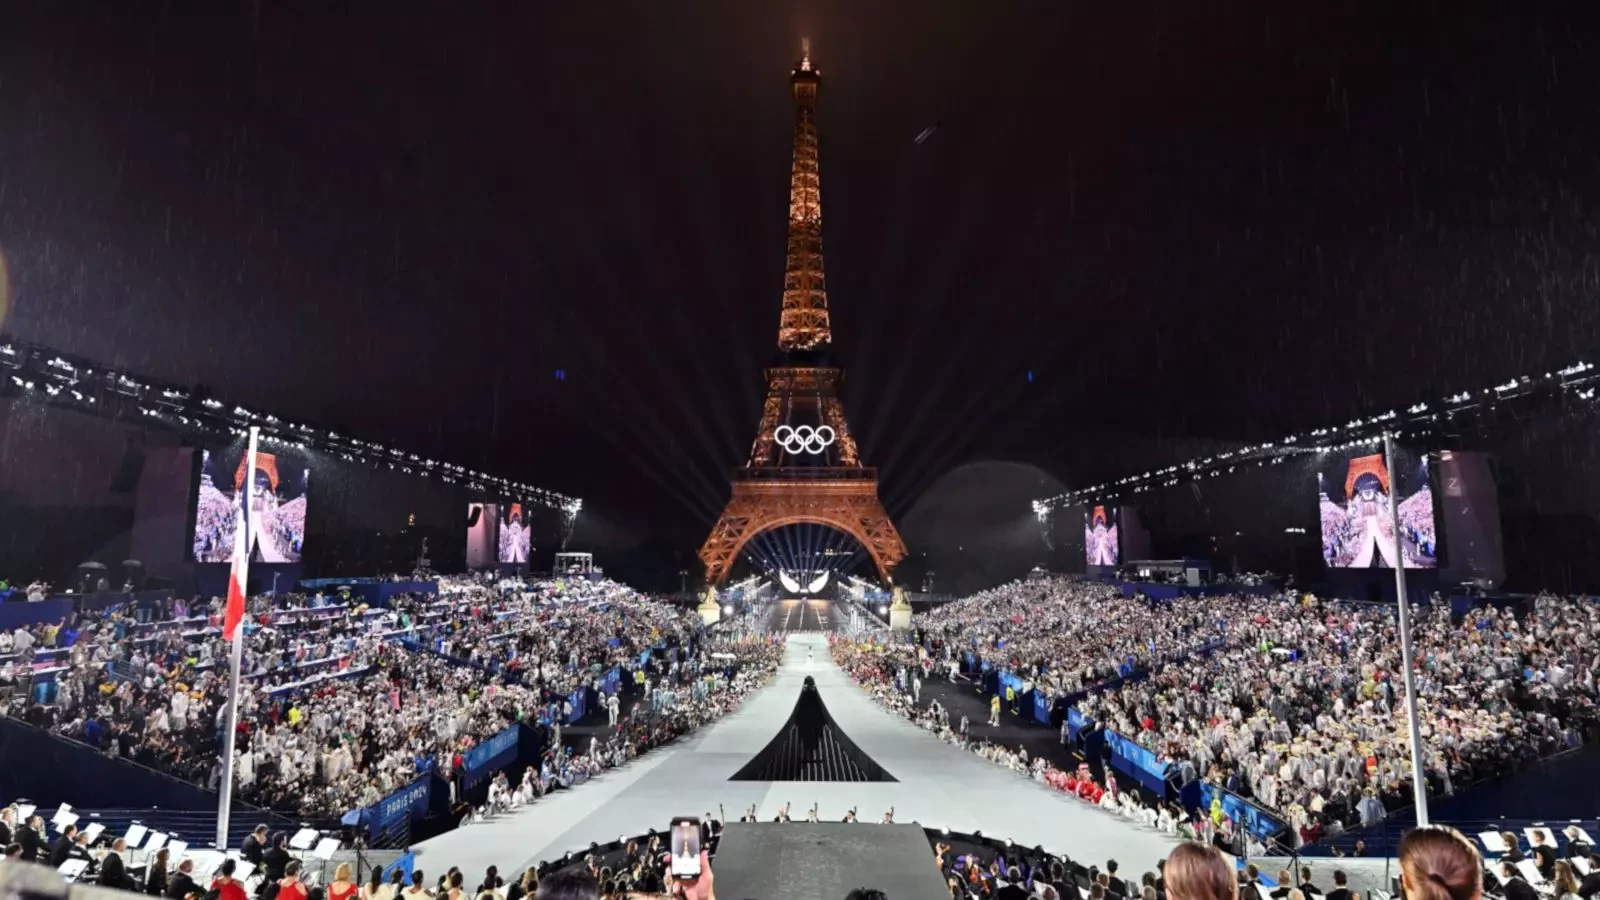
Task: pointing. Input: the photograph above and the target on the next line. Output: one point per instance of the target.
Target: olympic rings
(803, 439)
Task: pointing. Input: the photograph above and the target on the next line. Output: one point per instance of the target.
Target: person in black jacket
(1590, 885)
(275, 859)
(32, 839)
(1544, 855)
(182, 884)
(113, 871)
(61, 850)
(1341, 886)
(255, 847)
(1576, 844)
(1309, 890)
(1515, 887)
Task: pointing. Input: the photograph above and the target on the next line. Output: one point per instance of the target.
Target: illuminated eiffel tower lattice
(804, 467)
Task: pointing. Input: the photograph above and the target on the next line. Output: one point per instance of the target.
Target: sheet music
(73, 868)
(93, 831)
(24, 810)
(136, 833)
(304, 839)
(1581, 864)
(1492, 841)
(1530, 871)
(175, 850)
(206, 863)
(157, 838)
(325, 849)
(1583, 835)
(62, 819)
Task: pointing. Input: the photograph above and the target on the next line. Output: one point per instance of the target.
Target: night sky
(1207, 221)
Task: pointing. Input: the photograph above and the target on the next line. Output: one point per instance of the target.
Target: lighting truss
(1576, 382)
(61, 379)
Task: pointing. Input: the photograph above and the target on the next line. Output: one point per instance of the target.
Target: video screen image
(516, 535)
(483, 523)
(1357, 528)
(277, 491)
(1100, 536)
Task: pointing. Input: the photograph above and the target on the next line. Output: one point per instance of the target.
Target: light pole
(1419, 781)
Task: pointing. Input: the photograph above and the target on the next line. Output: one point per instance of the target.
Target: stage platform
(937, 785)
(806, 861)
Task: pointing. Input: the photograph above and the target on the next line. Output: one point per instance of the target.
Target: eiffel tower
(804, 466)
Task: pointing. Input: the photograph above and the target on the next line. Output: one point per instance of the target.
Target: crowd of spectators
(1292, 702)
(341, 704)
(1067, 635)
(1304, 711)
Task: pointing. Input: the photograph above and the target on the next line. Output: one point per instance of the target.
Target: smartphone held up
(685, 860)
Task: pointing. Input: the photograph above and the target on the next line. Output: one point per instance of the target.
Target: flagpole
(236, 656)
(1419, 780)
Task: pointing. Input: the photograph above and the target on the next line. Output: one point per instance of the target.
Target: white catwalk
(938, 785)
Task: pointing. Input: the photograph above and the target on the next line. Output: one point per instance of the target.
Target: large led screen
(516, 535)
(1357, 528)
(277, 492)
(483, 521)
(1100, 536)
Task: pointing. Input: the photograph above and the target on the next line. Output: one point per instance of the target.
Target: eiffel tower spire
(804, 466)
(804, 324)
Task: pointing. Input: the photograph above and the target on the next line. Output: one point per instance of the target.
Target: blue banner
(1008, 680)
(1255, 820)
(1042, 705)
(490, 756)
(612, 683)
(410, 802)
(1076, 722)
(1137, 761)
(580, 705)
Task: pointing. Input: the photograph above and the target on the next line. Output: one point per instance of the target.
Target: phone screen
(685, 848)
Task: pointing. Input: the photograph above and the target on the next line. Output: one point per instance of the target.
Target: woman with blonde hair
(341, 887)
(1438, 863)
(1197, 871)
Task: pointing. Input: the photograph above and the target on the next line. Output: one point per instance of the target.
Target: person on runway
(809, 655)
(994, 711)
(613, 706)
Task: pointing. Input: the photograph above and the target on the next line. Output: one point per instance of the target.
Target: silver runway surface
(938, 785)
(790, 616)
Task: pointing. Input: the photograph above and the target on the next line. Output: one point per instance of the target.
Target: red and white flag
(238, 576)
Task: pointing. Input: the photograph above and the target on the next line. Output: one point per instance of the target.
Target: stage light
(883, 610)
(727, 610)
